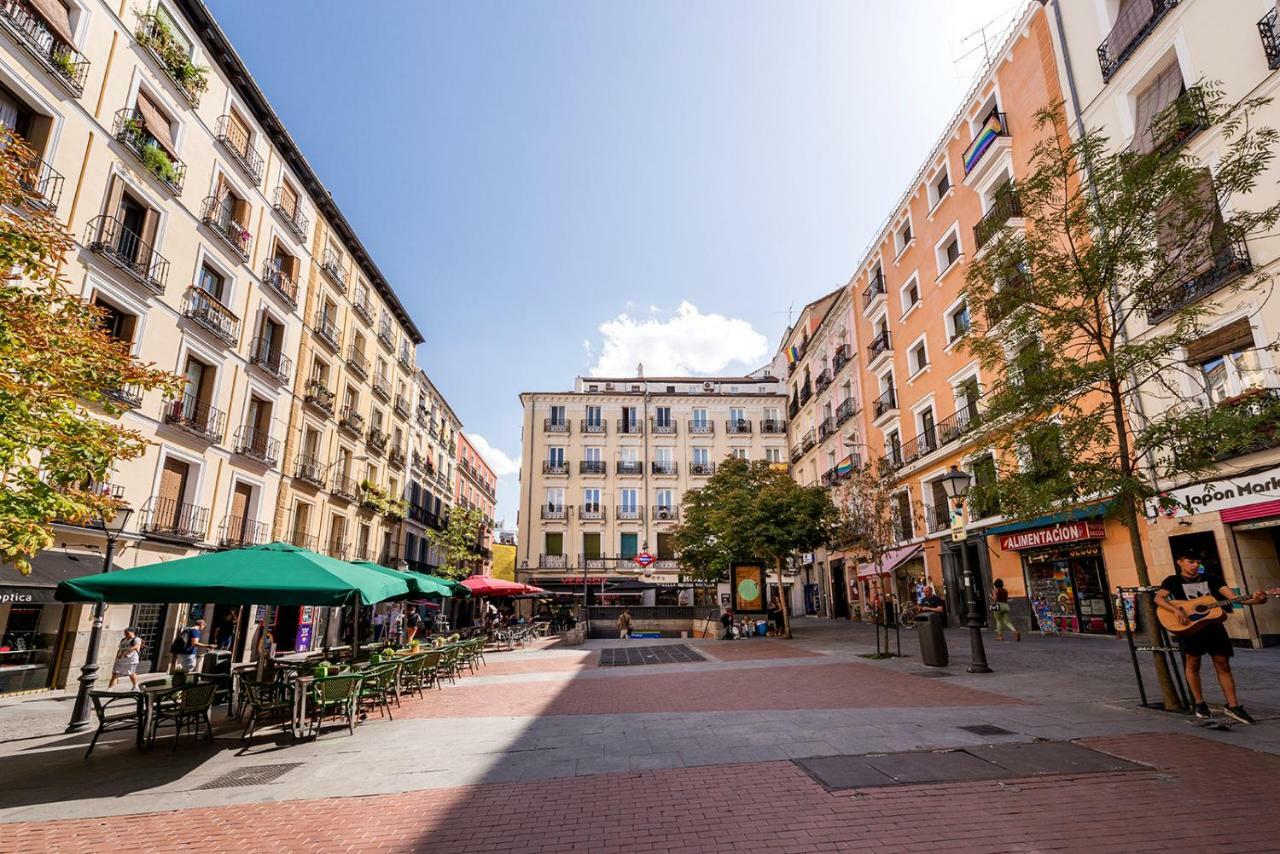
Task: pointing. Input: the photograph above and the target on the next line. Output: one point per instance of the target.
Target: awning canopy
(890, 561)
(48, 569)
(1089, 511)
(487, 585)
(271, 574)
(420, 583)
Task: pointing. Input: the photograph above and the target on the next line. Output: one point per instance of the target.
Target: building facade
(477, 490)
(433, 479)
(604, 468)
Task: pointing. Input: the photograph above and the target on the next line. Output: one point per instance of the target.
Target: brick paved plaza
(544, 751)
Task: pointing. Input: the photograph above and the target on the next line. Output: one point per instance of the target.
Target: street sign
(958, 534)
(644, 559)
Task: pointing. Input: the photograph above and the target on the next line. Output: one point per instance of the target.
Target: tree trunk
(782, 602)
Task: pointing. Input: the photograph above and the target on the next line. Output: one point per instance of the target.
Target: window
(553, 544)
(910, 295)
(893, 446)
(918, 358)
(771, 413)
(662, 456)
(928, 441)
(1226, 362)
(984, 501)
(902, 237)
(555, 457)
(627, 500)
(701, 456)
(966, 395)
(1028, 363)
(591, 500)
(591, 454)
(739, 453)
(902, 512)
(671, 389)
(629, 454)
(939, 186)
(211, 282)
(773, 455)
(948, 252)
(627, 545)
(1151, 126)
(119, 325)
(557, 416)
(591, 545)
(662, 416)
(594, 417)
(555, 498)
(737, 416)
(700, 418)
(664, 498)
(958, 322)
(630, 420)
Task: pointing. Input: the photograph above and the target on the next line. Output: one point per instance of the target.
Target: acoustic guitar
(1201, 611)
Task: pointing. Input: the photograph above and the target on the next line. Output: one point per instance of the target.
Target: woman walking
(1000, 609)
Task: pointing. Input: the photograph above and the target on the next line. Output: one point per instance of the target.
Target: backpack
(180, 643)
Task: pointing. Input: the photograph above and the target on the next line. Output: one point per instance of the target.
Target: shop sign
(579, 580)
(1067, 533)
(1216, 495)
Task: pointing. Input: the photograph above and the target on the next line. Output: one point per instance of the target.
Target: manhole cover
(627, 656)
(256, 775)
(987, 729)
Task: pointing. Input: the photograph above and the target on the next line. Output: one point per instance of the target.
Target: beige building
(1128, 61)
(433, 475)
(218, 254)
(604, 468)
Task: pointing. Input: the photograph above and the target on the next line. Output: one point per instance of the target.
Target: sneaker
(1237, 713)
(1202, 711)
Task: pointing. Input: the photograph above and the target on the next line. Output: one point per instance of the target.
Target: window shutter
(155, 122)
(1232, 338)
(55, 14)
(1130, 20)
(115, 195)
(288, 199)
(1153, 101)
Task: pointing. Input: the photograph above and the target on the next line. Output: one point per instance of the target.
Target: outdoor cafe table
(302, 691)
(147, 695)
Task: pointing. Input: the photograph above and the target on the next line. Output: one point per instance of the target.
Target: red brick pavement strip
(755, 650)
(521, 666)
(1202, 796)
(844, 685)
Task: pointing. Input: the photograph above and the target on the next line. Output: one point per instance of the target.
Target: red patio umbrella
(487, 585)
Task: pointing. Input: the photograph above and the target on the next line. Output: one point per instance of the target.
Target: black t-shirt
(412, 619)
(726, 619)
(1202, 585)
(934, 601)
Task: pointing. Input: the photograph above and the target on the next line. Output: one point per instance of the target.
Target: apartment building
(477, 490)
(218, 254)
(433, 478)
(819, 357)
(1130, 61)
(604, 469)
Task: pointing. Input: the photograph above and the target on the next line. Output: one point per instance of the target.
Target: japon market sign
(1217, 495)
(1071, 532)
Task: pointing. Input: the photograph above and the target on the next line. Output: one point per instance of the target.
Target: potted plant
(179, 676)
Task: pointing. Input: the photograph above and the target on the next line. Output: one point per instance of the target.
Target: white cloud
(501, 464)
(687, 343)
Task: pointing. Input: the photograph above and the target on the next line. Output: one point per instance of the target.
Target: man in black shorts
(1190, 582)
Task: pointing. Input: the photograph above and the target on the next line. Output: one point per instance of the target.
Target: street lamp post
(956, 484)
(112, 528)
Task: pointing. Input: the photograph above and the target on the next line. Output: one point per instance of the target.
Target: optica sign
(1070, 532)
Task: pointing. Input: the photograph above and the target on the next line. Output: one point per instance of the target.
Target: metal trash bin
(930, 628)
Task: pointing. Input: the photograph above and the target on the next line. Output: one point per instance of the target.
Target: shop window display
(1068, 590)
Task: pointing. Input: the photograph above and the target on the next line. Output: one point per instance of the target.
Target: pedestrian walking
(412, 624)
(187, 645)
(379, 626)
(624, 624)
(1000, 610)
(726, 621)
(127, 655)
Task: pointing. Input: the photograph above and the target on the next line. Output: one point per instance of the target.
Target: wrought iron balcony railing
(279, 281)
(957, 423)
(218, 213)
(823, 379)
(809, 439)
(666, 513)
(196, 417)
(201, 306)
(170, 518)
(1129, 31)
(318, 395)
(662, 428)
(332, 267)
(326, 329)
(629, 513)
(826, 427)
(382, 387)
(357, 362)
(553, 511)
(235, 532)
(1267, 29)
(844, 411)
(236, 141)
(937, 517)
(129, 395)
(702, 428)
(737, 425)
(266, 354)
(1004, 207)
(309, 469)
(108, 237)
(773, 425)
(257, 444)
(874, 290)
(377, 440)
(664, 468)
(401, 406)
(1228, 262)
(290, 210)
(586, 425)
(630, 467)
(885, 403)
(702, 469)
(592, 467)
(396, 457)
(174, 58)
(627, 426)
(66, 64)
(132, 133)
(591, 512)
(351, 420)
(555, 467)
(386, 334)
(879, 344)
(42, 181)
(552, 425)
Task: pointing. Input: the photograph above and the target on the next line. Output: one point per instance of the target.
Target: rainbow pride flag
(793, 354)
(844, 468)
(992, 129)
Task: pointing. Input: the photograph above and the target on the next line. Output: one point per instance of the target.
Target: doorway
(839, 591)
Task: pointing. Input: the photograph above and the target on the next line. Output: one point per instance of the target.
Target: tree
(1097, 300)
(870, 518)
(459, 541)
(751, 511)
(56, 359)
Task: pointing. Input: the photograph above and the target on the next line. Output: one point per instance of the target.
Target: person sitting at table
(126, 663)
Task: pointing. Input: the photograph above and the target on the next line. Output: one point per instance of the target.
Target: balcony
(808, 441)
(702, 469)
(396, 457)
(1179, 122)
(421, 464)
(629, 514)
(879, 345)
(236, 532)
(773, 426)
(196, 417)
(362, 304)
(826, 427)
(874, 290)
(793, 408)
(805, 394)
(737, 426)
(844, 411)
(256, 444)
(351, 421)
(662, 428)
(587, 425)
(937, 517)
(922, 445)
(629, 427)
(1011, 296)
(555, 425)
(1229, 262)
(331, 265)
(702, 428)
(796, 453)
(1129, 32)
(630, 467)
(406, 356)
(356, 361)
(592, 467)
(591, 513)
(132, 133)
(169, 518)
(555, 467)
(128, 396)
(840, 358)
(309, 469)
(317, 394)
(1004, 207)
(326, 329)
(401, 406)
(555, 512)
(42, 181)
(892, 460)
(822, 380)
(303, 540)
(553, 561)
(957, 424)
(199, 305)
(279, 281)
(290, 210)
(884, 404)
(217, 213)
(377, 440)
(995, 127)
(108, 237)
(265, 353)
(236, 142)
(668, 469)
(154, 34)
(382, 387)
(1270, 39)
(386, 335)
(66, 64)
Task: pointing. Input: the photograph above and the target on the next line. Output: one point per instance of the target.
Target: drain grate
(987, 729)
(630, 656)
(255, 775)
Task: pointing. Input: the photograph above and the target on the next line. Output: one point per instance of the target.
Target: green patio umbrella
(420, 583)
(271, 574)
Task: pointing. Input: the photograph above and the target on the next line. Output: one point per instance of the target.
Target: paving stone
(1050, 757)
(844, 772)
(930, 766)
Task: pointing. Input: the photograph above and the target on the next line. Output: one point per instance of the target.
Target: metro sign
(644, 559)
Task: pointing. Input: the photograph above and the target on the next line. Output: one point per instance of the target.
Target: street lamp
(112, 527)
(956, 484)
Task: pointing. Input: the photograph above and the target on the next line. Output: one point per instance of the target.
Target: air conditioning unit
(708, 386)
(608, 386)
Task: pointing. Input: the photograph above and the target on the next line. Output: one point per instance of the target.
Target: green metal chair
(377, 689)
(431, 670)
(184, 707)
(115, 711)
(413, 674)
(337, 697)
(264, 701)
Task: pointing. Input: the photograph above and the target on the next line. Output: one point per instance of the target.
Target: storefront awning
(890, 561)
(47, 569)
(1089, 511)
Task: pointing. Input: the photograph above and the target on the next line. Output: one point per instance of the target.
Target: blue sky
(561, 188)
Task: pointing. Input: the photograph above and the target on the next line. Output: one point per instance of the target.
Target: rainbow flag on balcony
(844, 468)
(992, 129)
(793, 354)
